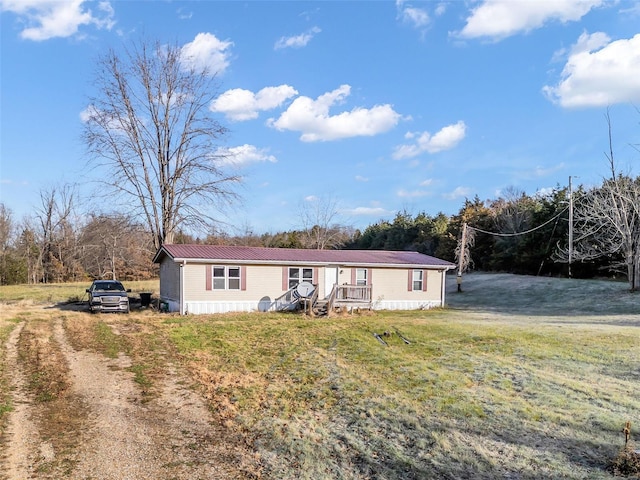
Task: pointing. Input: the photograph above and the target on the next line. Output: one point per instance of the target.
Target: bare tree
(150, 127)
(462, 252)
(57, 233)
(607, 223)
(512, 211)
(115, 247)
(6, 234)
(320, 224)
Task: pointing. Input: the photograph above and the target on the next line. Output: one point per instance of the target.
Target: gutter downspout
(182, 265)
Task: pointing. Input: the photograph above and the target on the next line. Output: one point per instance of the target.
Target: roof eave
(305, 263)
(162, 250)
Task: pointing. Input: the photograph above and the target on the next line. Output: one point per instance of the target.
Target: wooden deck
(352, 296)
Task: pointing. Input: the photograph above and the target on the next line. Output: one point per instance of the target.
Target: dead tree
(607, 223)
(463, 251)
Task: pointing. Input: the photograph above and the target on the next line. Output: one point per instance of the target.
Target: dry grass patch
(59, 415)
(626, 463)
(63, 292)
(6, 325)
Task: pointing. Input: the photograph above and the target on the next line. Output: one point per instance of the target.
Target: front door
(330, 278)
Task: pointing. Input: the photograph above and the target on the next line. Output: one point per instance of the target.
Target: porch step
(320, 308)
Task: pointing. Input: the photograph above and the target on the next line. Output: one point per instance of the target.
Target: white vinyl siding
(265, 283)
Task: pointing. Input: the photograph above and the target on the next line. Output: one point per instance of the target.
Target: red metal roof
(293, 255)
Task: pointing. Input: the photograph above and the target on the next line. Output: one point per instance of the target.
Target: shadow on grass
(543, 296)
(83, 306)
(469, 461)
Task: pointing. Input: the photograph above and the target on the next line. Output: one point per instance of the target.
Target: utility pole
(463, 242)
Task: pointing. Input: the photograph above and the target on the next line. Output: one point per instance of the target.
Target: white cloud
(360, 178)
(368, 211)
(598, 73)
(540, 172)
(184, 14)
(416, 17)
(239, 104)
(412, 194)
(297, 41)
(207, 52)
(312, 118)
(88, 113)
(445, 139)
(101, 117)
(545, 191)
(498, 19)
(311, 198)
(46, 19)
(243, 155)
(458, 192)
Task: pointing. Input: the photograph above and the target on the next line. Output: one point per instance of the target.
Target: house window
(226, 278)
(417, 280)
(361, 276)
(297, 275)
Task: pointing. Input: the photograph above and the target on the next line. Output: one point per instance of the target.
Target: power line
(496, 234)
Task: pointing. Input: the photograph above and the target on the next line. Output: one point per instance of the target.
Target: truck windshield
(105, 286)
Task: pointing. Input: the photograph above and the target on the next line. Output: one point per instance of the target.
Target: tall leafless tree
(320, 222)
(55, 216)
(115, 247)
(151, 129)
(6, 234)
(512, 211)
(607, 222)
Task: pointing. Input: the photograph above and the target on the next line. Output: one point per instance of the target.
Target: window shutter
(410, 282)
(314, 280)
(369, 276)
(243, 277)
(424, 280)
(285, 278)
(353, 276)
(209, 274)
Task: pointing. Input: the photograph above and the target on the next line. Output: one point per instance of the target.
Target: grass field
(64, 292)
(519, 378)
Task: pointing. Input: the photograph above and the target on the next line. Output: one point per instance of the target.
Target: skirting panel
(198, 308)
(405, 305)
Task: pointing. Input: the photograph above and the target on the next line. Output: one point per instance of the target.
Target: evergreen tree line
(58, 245)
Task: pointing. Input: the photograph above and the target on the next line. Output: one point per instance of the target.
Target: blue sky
(375, 106)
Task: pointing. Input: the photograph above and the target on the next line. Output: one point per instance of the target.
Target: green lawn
(63, 292)
(465, 399)
(519, 378)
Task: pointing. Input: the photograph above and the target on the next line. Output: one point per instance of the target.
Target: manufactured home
(205, 279)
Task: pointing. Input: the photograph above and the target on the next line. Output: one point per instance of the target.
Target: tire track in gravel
(20, 452)
(171, 436)
(99, 428)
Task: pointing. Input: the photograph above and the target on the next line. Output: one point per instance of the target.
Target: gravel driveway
(101, 426)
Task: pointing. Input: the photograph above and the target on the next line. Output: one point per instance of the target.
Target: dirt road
(79, 414)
